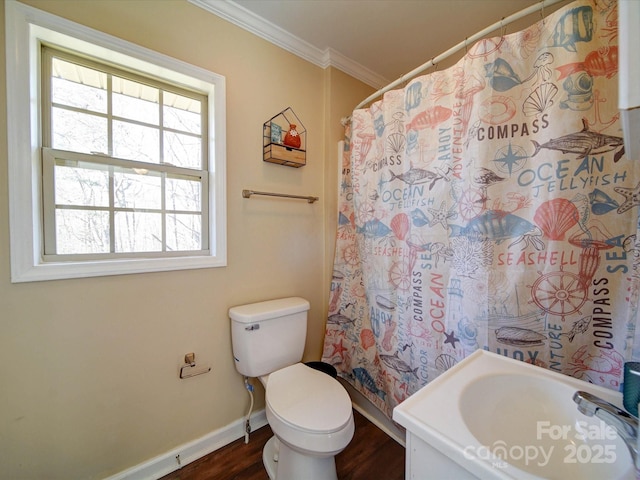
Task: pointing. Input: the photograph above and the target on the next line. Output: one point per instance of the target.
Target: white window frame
(25, 29)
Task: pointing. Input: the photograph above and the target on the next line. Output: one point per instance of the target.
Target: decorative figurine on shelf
(292, 139)
(276, 133)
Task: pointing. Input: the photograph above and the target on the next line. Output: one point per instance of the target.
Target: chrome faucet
(625, 424)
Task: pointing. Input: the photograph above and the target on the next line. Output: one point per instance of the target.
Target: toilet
(308, 410)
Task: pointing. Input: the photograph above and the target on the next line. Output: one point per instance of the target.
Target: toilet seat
(308, 400)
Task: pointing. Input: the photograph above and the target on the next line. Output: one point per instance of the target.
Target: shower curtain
(490, 205)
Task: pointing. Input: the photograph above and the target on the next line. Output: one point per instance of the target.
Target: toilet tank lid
(255, 312)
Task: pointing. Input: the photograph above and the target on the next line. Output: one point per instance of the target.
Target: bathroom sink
(493, 417)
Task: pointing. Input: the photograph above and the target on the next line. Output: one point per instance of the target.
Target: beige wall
(89, 367)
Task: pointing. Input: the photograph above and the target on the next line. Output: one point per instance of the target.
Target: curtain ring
(542, 11)
(465, 45)
(503, 27)
(434, 64)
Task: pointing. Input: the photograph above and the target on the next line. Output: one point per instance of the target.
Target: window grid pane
(81, 185)
(184, 232)
(135, 101)
(137, 190)
(82, 231)
(79, 132)
(138, 232)
(135, 142)
(77, 86)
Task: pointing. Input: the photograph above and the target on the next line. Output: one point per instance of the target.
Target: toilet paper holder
(190, 369)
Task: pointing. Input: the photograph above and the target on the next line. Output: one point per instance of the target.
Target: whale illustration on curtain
(491, 205)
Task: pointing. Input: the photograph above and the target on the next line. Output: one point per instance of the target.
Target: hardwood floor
(371, 455)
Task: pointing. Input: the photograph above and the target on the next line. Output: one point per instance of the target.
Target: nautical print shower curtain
(491, 205)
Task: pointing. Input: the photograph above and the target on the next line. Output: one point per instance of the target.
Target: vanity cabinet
(424, 462)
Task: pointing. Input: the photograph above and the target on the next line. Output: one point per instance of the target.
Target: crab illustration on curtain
(491, 205)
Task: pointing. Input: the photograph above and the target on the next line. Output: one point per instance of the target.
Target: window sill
(60, 271)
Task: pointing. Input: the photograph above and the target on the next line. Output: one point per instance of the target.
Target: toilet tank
(268, 336)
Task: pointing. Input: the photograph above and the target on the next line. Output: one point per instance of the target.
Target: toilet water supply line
(247, 423)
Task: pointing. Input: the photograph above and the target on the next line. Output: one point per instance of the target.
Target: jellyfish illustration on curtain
(491, 205)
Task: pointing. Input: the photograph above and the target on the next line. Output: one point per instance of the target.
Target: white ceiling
(376, 41)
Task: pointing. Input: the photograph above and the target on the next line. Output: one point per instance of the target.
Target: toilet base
(284, 463)
(269, 456)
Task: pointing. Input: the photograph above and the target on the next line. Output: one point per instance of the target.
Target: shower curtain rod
(465, 43)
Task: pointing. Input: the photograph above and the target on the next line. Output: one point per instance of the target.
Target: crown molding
(247, 20)
(355, 69)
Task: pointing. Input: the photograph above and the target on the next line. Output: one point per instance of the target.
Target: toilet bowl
(310, 415)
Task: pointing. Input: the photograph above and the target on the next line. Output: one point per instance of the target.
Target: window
(116, 158)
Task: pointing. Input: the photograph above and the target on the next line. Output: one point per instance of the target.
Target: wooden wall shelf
(274, 148)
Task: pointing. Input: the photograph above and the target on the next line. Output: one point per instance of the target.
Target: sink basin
(538, 414)
(490, 417)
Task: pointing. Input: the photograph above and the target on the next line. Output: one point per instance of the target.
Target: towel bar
(248, 193)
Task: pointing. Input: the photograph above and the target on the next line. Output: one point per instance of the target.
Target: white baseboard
(375, 416)
(383, 424)
(189, 452)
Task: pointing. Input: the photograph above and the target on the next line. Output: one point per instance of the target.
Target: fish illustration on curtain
(491, 205)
